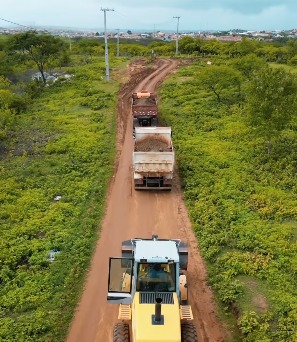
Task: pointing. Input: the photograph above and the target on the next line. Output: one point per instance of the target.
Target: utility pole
(118, 43)
(70, 47)
(105, 41)
(176, 45)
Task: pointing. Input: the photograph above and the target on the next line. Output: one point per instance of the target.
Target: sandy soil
(133, 214)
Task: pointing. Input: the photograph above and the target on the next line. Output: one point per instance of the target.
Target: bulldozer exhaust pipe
(158, 310)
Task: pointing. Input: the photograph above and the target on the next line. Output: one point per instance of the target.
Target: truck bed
(141, 111)
(153, 163)
(153, 158)
(144, 104)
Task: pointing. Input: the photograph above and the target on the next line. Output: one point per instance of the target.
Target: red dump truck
(153, 158)
(144, 109)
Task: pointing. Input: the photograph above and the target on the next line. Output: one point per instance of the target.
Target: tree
(293, 60)
(292, 47)
(134, 50)
(273, 53)
(221, 80)
(211, 47)
(5, 64)
(90, 48)
(42, 49)
(10, 104)
(186, 44)
(271, 101)
(244, 47)
(248, 64)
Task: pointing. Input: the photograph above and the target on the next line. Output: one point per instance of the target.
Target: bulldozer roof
(156, 251)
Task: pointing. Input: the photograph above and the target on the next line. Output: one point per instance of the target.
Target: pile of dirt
(152, 143)
(144, 101)
(136, 67)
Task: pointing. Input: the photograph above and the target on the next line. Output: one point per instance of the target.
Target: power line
(126, 22)
(11, 22)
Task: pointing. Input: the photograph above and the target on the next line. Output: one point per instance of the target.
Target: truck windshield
(156, 277)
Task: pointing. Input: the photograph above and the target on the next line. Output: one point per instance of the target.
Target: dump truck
(144, 109)
(150, 285)
(153, 158)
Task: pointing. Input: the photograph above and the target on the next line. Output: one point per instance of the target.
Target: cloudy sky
(153, 14)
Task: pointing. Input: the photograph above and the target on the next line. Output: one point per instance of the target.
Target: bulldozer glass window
(120, 275)
(156, 277)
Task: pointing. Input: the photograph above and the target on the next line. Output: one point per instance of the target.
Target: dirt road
(140, 214)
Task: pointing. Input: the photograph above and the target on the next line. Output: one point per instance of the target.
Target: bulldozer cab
(156, 277)
(149, 277)
(147, 265)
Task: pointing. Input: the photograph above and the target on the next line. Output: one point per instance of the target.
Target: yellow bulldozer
(149, 283)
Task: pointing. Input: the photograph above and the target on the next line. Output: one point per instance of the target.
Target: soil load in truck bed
(153, 143)
(144, 101)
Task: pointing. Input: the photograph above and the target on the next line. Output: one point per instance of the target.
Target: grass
(255, 296)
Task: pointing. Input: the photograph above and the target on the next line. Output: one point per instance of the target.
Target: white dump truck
(153, 158)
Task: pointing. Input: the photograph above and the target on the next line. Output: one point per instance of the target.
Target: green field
(55, 166)
(243, 206)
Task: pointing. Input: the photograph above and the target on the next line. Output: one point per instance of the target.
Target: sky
(152, 15)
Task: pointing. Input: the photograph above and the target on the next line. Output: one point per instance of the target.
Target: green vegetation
(221, 79)
(271, 99)
(273, 52)
(242, 201)
(42, 49)
(56, 159)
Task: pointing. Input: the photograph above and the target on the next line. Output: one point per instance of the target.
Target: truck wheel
(188, 332)
(121, 333)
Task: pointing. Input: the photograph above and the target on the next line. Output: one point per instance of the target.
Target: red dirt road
(133, 214)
